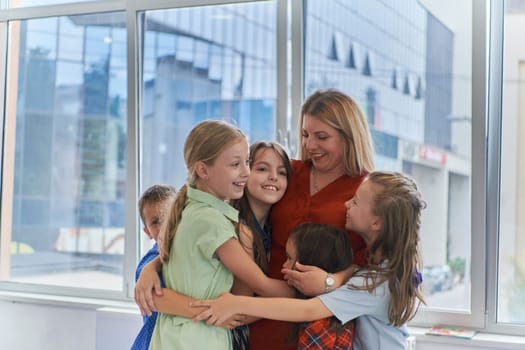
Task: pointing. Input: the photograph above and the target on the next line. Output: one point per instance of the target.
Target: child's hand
(309, 280)
(219, 311)
(234, 322)
(148, 282)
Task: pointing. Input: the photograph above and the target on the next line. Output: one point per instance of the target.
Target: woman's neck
(320, 179)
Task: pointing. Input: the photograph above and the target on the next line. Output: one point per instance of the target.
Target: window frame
(487, 58)
(475, 318)
(8, 146)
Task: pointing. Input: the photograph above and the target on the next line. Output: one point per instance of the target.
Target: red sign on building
(432, 154)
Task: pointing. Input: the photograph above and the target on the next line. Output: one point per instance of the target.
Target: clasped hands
(225, 309)
(222, 311)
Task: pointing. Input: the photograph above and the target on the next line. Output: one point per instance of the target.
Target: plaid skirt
(323, 335)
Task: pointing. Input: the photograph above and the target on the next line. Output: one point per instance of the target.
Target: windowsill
(68, 301)
(129, 309)
(481, 340)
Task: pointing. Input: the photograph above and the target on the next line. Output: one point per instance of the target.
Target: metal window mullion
(7, 157)
(297, 79)
(281, 125)
(61, 10)
(480, 112)
(170, 4)
(131, 253)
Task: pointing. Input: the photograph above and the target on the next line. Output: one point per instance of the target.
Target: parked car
(437, 278)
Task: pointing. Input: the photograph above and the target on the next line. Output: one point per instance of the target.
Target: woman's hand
(309, 280)
(148, 282)
(219, 312)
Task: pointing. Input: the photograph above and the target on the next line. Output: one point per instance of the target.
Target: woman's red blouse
(297, 207)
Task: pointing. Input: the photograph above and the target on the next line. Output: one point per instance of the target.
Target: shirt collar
(222, 206)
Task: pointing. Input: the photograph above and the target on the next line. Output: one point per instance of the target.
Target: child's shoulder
(202, 214)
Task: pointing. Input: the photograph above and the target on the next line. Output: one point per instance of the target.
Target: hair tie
(418, 278)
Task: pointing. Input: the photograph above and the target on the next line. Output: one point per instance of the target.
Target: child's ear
(376, 223)
(146, 231)
(201, 169)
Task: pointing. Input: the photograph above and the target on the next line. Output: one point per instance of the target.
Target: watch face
(329, 281)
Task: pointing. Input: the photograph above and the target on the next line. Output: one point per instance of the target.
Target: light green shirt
(194, 269)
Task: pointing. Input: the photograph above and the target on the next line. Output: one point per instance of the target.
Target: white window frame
(486, 126)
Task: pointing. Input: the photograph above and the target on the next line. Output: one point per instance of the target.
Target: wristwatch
(329, 282)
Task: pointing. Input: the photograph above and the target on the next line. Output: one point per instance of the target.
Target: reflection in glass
(409, 69)
(69, 171)
(199, 64)
(192, 73)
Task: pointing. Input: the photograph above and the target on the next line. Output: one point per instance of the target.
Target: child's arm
(243, 267)
(310, 280)
(171, 302)
(240, 287)
(148, 282)
(246, 240)
(283, 309)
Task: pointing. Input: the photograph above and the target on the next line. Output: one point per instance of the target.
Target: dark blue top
(265, 234)
(144, 337)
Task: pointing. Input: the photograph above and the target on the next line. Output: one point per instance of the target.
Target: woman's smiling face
(323, 144)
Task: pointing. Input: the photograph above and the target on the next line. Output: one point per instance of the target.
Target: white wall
(27, 326)
(41, 326)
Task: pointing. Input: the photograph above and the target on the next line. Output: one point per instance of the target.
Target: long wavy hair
(242, 204)
(343, 114)
(398, 203)
(205, 142)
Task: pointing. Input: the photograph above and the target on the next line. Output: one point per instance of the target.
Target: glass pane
(69, 166)
(198, 65)
(511, 264)
(409, 68)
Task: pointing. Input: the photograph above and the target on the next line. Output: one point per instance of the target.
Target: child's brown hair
(243, 205)
(327, 247)
(398, 203)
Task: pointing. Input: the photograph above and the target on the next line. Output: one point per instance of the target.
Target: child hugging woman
(383, 295)
(329, 248)
(198, 245)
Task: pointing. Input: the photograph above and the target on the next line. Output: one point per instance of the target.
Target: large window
(66, 107)
(212, 62)
(409, 69)
(98, 97)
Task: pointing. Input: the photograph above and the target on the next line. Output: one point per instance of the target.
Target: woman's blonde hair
(398, 204)
(205, 142)
(341, 112)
